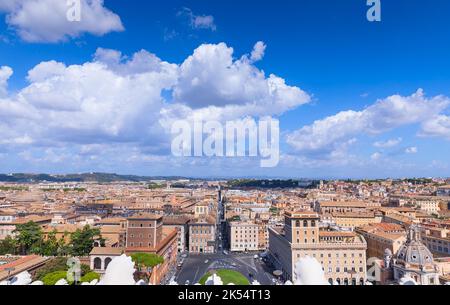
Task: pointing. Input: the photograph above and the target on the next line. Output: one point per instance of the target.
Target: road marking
(195, 276)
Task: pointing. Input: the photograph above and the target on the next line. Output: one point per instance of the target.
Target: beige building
(263, 235)
(351, 220)
(243, 236)
(342, 254)
(341, 206)
(202, 209)
(382, 236)
(437, 240)
(202, 236)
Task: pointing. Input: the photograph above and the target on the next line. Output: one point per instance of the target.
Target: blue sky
(327, 49)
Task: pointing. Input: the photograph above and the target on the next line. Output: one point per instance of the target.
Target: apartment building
(263, 235)
(145, 234)
(382, 236)
(243, 236)
(202, 235)
(6, 224)
(341, 206)
(181, 225)
(437, 240)
(144, 230)
(342, 254)
(351, 220)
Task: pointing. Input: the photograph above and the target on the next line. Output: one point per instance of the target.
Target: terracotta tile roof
(22, 264)
(107, 251)
(144, 216)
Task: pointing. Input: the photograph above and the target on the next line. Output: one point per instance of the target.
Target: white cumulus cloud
(46, 20)
(5, 73)
(326, 135)
(438, 126)
(388, 144)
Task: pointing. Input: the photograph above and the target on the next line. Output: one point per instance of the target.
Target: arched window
(354, 282)
(97, 263)
(107, 261)
(305, 223)
(330, 280)
(346, 282)
(313, 223)
(338, 281)
(361, 281)
(297, 223)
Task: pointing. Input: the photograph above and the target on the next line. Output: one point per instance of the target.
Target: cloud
(258, 51)
(198, 21)
(388, 144)
(326, 135)
(121, 107)
(376, 156)
(411, 150)
(438, 126)
(5, 73)
(211, 77)
(46, 20)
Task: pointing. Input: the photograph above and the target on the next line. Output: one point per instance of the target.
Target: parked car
(187, 282)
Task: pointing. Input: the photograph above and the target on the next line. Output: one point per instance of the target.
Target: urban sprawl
(242, 232)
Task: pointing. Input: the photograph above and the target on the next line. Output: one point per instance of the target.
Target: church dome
(414, 251)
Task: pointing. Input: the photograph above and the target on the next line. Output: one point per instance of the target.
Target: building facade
(243, 236)
(202, 236)
(341, 254)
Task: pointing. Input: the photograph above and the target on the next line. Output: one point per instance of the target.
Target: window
(305, 223)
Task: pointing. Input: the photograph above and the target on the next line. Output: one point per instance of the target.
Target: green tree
(82, 241)
(8, 246)
(29, 238)
(50, 245)
(51, 278)
(53, 265)
(148, 260)
(57, 264)
(89, 277)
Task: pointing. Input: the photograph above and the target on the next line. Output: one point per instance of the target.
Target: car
(256, 257)
(207, 261)
(187, 282)
(225, 252)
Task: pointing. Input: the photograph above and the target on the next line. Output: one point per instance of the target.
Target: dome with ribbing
(413, 251)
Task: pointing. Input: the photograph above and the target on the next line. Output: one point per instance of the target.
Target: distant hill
(276, 183)
(86, 177)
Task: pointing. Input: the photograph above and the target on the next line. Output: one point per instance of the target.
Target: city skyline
(355, 99)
